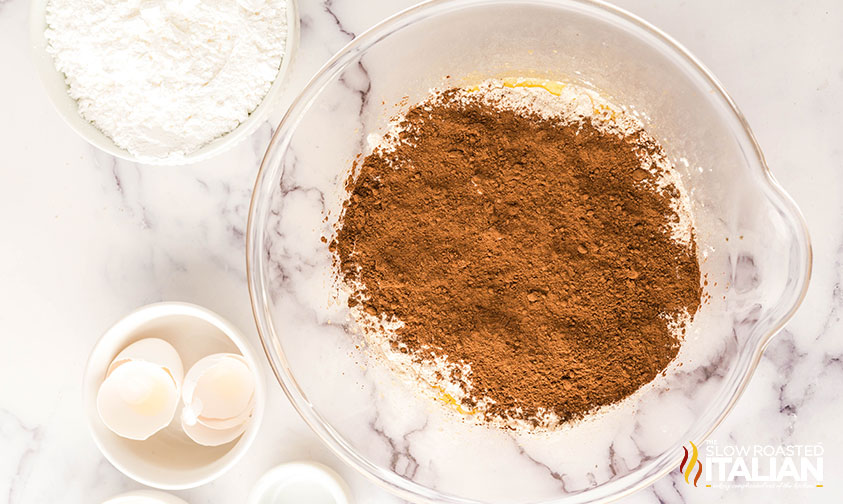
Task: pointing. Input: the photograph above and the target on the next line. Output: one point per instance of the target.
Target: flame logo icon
(687, 466)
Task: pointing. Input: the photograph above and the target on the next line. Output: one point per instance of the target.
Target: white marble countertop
(87, 238)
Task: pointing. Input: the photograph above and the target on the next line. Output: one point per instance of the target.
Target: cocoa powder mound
(537, 252)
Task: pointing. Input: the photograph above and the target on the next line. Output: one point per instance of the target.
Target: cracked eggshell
(137, 399)
(208, 436)
(226, 423)
(155, 351)
(218, 392)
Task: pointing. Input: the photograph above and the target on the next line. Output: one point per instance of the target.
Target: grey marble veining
(88, 237)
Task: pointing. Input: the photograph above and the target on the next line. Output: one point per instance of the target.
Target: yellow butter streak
(449, 399)
(553, 87)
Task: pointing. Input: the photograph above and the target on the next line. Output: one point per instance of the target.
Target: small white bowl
(54, 84)
(300, 482)
(169, 459)
(144, 497)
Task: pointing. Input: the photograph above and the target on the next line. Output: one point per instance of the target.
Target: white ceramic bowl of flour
(57, 89)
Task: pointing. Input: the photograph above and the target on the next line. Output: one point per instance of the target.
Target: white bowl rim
(165, 498)
(329, 479)
(167, 308)
(54, 85)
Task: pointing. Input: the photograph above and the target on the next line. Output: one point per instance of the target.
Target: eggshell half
(137, 399)
(219, 392)
(154, 350)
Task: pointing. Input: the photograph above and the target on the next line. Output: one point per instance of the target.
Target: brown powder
(538, 253)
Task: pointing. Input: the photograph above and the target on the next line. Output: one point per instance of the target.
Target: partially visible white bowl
(56, 87)
(304, 482)
(144, 497)
(169, 459)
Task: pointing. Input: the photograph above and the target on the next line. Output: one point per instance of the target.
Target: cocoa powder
(537, 252)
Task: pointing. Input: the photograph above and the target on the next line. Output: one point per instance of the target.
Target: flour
(162, 78)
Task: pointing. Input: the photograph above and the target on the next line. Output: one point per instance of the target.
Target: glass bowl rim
(403, 487)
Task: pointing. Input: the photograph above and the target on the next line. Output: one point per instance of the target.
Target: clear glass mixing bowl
(753, 246)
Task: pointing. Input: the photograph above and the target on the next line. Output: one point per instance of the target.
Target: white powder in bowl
(162, 78)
